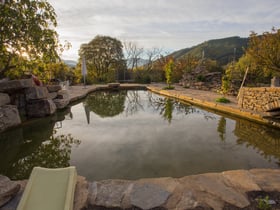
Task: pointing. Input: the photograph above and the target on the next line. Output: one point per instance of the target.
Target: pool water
(137, 134)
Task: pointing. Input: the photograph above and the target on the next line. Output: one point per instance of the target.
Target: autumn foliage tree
(169, 67)
(184, 65)
(27, 33)
(265, 50)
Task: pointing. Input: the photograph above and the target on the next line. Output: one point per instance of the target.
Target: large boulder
(52, 95)
(36, 92)
(4, 99)
(148, 196)
(9, 117)
(40, 108)
(62, 99)
(63, 94)
(8, 189)
(53, 88)
(18, 99)
(61, 103)
(14, 85)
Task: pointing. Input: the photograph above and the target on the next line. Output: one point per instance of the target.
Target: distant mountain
(222, 50)
(70, 63)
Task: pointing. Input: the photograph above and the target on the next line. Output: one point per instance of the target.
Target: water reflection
(222, 128)
(53, 153)
(106, 104)
(134, 103)
(155, 136)
(35, 144)
(264, 140)
(166, 106)
(136, 134)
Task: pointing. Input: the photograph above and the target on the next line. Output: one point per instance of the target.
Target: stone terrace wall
(24, 98)
(260, 99)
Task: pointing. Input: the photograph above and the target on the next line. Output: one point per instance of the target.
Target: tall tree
(133, 53)
(103, 54)
(27, 32)
(152, 55)
(169, 67)
(265, 50)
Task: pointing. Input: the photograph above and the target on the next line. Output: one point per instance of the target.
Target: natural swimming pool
(137, 134)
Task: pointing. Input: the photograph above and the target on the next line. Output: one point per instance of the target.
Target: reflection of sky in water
(144, 144)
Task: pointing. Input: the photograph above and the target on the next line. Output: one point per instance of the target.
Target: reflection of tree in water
(168, 109)
(265, 140)
(54, 153)
(167, 106)
(222, 128)
(133, 103)
(106, 104)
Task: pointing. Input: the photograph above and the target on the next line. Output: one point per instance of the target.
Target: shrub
(263, 203)
(143, 78)
(222, 100)
(200, 78)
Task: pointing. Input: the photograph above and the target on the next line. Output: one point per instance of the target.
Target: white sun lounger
(49, 189)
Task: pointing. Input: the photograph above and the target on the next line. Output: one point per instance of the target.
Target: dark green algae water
(137, 134)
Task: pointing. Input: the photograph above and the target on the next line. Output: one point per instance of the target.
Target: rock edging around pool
(78, 94)
(226, 190)
(234, 111)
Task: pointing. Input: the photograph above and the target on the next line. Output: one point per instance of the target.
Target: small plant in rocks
(263, 203)
(222, 100)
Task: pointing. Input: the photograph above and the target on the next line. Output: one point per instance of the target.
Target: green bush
(222, 100)
(263, 203)
(143, 79)
(200, 78)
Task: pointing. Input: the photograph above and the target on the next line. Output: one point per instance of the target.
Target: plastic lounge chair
(49, 189)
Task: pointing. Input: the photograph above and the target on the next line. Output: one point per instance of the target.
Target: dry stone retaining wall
(260, 99)
(24, 98)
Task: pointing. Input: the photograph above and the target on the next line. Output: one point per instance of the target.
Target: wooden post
(243, 81)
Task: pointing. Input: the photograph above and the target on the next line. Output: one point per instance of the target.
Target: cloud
(169, 24)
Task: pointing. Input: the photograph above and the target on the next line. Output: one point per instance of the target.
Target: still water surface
(137, 134)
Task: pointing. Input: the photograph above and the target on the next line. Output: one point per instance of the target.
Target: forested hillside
(222, 50)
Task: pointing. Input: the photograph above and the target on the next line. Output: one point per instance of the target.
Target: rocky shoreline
(237, 189)
(21, 99)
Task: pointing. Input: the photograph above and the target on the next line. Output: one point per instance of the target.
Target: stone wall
(206, 81)
(20, 99)
(266, 99)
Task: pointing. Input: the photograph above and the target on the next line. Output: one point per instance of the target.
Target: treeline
(29, 45)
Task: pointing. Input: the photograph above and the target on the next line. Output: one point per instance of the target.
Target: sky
(166, 24)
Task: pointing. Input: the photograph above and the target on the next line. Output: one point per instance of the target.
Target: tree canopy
(27, 33)
(265, 50)
(104, 56)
